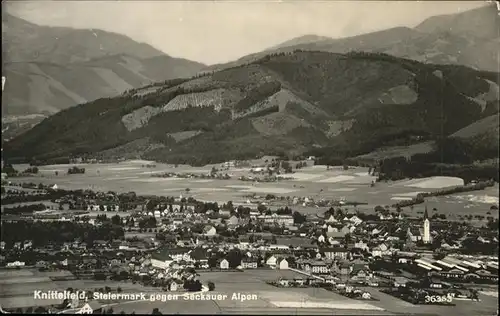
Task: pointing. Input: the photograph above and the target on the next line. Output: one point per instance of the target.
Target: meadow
(252, 282)
(312, 181)
(17, 286)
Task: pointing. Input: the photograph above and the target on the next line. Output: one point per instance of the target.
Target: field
(297, 301)
(266, 300)
(313, 181)
(487, 306)
(17, 286)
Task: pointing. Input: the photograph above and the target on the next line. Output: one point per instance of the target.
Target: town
(128, 242)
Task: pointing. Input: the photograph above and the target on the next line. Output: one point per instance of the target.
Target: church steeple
(426, 214)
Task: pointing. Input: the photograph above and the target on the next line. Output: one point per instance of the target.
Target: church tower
(426, 238)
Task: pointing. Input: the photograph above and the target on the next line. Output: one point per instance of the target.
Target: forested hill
(286, 103)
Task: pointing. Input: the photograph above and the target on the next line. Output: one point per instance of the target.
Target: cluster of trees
(451, 157)
(257, 94)
(458, 189)
(44, 233)
(76, 170)
(9, 169)
(32, 170)
(298, 218)
(192, 285)
(30, 310)
(24, 209)
(147, 222)
(284, 211)
(474, 246)
(24, 197)
(301, 165)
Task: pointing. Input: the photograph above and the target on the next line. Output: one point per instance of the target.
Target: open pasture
(253, 282)
(25, 301)
(314, 181)
(17, 286)
(487, 306)
(169, 307)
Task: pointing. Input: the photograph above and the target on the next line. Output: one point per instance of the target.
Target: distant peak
(304, 39)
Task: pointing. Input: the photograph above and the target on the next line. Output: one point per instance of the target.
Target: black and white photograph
(250, 157)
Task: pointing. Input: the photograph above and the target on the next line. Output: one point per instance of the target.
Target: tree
(298, 218)
(40, 310)
(234, 258)
(211, 286)
(156, 311)
(212, 262)
(116, 220)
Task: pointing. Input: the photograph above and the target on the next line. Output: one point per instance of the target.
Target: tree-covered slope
(283, 103)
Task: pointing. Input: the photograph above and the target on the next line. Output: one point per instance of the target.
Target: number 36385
(438, 298)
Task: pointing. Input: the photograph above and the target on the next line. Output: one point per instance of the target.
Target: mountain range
(53, 68)
(470, 38)
(293, 101)
(284, 103)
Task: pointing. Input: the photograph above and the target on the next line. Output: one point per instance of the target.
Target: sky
(214, 32)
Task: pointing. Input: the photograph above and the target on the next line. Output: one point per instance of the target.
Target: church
(423, 234)
(426, 235)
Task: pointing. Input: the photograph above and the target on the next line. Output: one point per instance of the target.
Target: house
(306, 266)
(224, 264)
(271, 261)
(284, 282)
(199, 255)
(405, 259)
(319, 267)
(355, 220)
(360, 273)
(173, 286)
(414, 234)
(331, 229)
(233, 221)
(400, 281)
(283, 264)
(361, 245)
(335, 253)
(249, 263)
(90, 308)
(331, 219)
(334, 242)
(161, 264)
(345, 268)
(380, 250)
(209, 230)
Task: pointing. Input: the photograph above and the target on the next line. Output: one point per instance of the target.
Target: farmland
(17, 286)
(268, 299)
(297, 300)
(313, 181)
